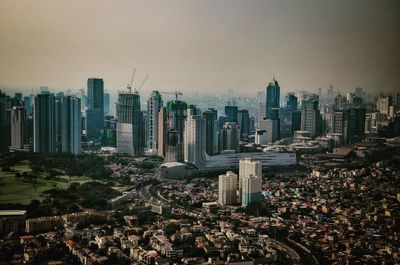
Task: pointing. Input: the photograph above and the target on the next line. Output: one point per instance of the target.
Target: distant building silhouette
(95, 108)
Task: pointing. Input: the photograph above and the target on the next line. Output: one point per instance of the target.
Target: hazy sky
(204, 46)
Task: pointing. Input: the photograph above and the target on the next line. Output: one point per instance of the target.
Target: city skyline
(200, 46)
(199, 132)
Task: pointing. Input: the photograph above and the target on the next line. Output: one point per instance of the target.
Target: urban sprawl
(300, 178)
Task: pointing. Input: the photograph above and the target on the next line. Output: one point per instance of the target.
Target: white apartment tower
(248, 167)
(194, 148)
(227, 187)
(251, 189)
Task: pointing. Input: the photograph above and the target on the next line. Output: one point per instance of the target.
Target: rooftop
(12, 212)
(173, 164)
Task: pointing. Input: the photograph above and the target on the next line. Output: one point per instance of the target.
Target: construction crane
(176, 93)
(129, 86)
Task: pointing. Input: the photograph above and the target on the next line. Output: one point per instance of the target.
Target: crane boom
(130, 84)
(176, 93)
(142, 83)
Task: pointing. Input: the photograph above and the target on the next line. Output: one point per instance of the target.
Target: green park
(21, 185)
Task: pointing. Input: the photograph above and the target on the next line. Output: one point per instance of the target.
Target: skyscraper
(231, 113)
(227, 187)
(58, 121)
(285, 119)
(44, 123)
(154, 104)
(71, 130)
(229, 137)
(262, 114)
(162, 132)
(291, 101)
(251, 189)
(106, 104)
(109, 133)
(95, 108)
(289, 117)
(244, 123)
(130, 138)
(19, 129)
(273, 97)
(195, 141)
(272, 128)
(310, 116)
(176, 115)
(5, 121)
(350, 123)
(28, 105)
(211, 119)
(248, 167)
(173, 147)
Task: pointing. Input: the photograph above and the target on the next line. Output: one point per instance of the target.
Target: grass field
(18, 191)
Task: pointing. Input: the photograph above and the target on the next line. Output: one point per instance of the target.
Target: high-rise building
(296, 120)
(310, 116)
(273, 97)
(44, 123)
(247, 167)
(285, 119)
(162, 132)
(176, 115)
(227, 188)
(106, 104)
(19, 129)
(359, 92)
(58, 121)
(173, 147)
(154, 104)
(291, 101)
(109, 133)
(221, 121)
(383, 104)
(289, 117)
(28, 105)
(340, 102)
(95, 108)
(261, 137)
(130, 138)
(350, 123)
(195, 141)
(360, 115)
(5, 121)
(330, 93)
(211, 119)
(231, 112)
(83, 98)
(272, 128)
(229, 137)
(244, 123)
(251, 189)
(262, 114)
(71, 130)
(193, 110)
